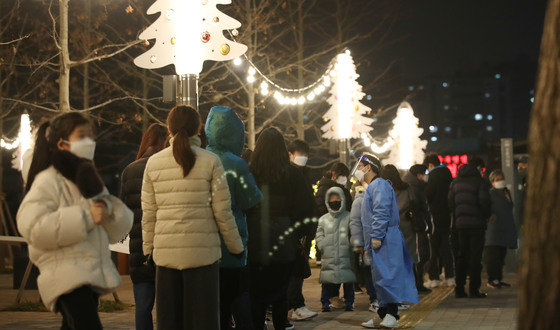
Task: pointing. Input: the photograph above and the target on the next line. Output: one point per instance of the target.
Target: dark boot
(477, 294)
(460, 292)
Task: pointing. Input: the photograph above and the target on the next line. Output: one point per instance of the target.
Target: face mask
(500, 184)
(359, 174)
(426, 178)
(342, 180)
(300, 160)
(84, 148)
(335, 206)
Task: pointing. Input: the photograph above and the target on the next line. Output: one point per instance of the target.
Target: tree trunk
(539, 301)
(86, 66)
(251, 91)
(301, 108)
(64, 77)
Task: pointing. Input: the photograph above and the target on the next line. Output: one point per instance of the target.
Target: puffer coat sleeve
(120, 218)
(45, 224)
(149, 211)
(221, 205)
(356, 229)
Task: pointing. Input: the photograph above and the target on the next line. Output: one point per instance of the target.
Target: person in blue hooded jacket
(391, 264)
(226, 138)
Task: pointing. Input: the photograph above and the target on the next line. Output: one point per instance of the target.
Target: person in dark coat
(277, 225)
(501, 233)
(439, 179)
(421, 221)
(298, 151)
(142, 271)
(337, 176)
(470, 201)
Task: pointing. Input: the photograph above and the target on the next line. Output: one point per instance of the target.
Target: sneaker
(326, 309)
(505, 285)
(448, 282)
(495, 284)
(389, 321)
(404, 307)
(478, 294)
(349, 308)
(338, 303)
(369, 324)
(432, 284)
(289, 326)
(303, 313)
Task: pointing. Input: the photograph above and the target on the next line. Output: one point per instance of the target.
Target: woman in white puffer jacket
(68, 220)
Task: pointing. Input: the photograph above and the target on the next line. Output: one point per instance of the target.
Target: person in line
(501, 233)
(421, 221)
(299, 155)
(333, 240)
(226, 138)
(336, 176)
(439, 179)
(357, 242)
(470, 201)
(391, 264)
(186, 205)
(68, 219)
(142, 270)
(274, 227)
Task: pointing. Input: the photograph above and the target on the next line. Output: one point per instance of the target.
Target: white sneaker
(374, 306)
(369, 324)
(389, 322)
(404, 307)
(303, 313)
(449, 282)
(432, 284)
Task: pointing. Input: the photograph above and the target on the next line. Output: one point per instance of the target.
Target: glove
(240, 255)
(375, 243)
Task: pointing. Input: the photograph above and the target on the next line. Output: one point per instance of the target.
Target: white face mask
(84, 148)
(360, 174)
(426, 178)
(500, 184)
(300, 160)
(342, 180)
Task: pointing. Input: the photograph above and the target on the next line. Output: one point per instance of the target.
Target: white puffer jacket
(64, 243)
(182, 215)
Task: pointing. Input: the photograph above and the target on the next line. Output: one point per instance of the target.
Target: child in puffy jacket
(333, 240)
(68, 220)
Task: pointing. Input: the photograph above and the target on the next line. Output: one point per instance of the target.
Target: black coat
(501, 231)
(437, 189)
(324, 185)
(419, 204)
(469, 199)
(131, 190)
(281, 224)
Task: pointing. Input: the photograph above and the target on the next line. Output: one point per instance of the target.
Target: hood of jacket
(225, 131)
(468, 170)
(340, 192)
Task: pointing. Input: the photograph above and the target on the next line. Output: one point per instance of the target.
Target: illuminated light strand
(23, 142)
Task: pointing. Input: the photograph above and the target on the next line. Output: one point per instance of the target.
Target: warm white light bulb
(251, 79)
(264, 85)
(301, 100)
(237, 61)
(252, 71)
(311, 96)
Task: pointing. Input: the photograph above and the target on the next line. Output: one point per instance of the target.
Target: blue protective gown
(391, 265)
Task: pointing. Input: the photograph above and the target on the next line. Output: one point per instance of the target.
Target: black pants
(392, 309)
(424, 253)
(441, 255)
(295, 293)
(79, 309)
(231, 288)
(329, 290)
(269, 286)
(495, 260)
(471, 245)
(188, 299)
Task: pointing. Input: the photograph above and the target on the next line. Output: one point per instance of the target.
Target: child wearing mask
(333, 240)
(68, 219)
(501, 233)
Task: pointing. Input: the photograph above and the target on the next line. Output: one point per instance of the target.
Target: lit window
(497, 76)
(369, 97)
(478, 117)
(433, 138)
(411, 88)
(487, 95)
(532, 100)
(489, 117)
(446, 107)
(489, 128)
(421, 87)
(433, 129)
(447, 129)
(445, 84)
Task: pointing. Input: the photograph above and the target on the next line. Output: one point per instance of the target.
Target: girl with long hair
(186, 205)
(68, 220)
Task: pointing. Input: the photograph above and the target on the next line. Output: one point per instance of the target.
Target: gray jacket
(333, 241)
(502, 231)
(356, 229)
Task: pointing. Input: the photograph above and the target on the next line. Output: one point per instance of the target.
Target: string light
(23, 140)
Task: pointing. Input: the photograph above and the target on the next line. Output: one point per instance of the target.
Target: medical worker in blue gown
(391, 265)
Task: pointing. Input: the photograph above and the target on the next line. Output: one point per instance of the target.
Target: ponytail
(184, 122)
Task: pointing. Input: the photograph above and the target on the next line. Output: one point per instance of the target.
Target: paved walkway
(438, 310)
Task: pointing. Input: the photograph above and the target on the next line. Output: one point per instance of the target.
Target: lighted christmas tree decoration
(346, 117)
(22, 143)
(187, 33)
(408, 148)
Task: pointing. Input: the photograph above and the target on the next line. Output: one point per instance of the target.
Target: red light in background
(453, 162)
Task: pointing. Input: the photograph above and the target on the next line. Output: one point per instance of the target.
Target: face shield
(363, 160)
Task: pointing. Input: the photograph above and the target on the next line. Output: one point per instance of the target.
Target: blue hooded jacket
(226, 138)
(391, 265)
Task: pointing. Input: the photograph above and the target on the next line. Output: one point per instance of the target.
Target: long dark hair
(48, 136)
(153, 138)
(184, 122)
(270, 159)
(391, 173)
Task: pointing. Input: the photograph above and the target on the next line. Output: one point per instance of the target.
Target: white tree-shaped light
(408, 148)
(187, 33)
(346, 117)
(22, 143)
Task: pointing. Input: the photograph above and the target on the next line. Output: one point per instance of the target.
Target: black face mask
(335, 206)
